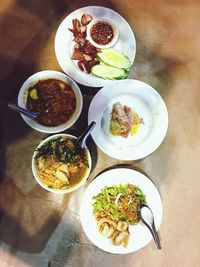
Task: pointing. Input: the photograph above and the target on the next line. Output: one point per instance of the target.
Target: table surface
(38, 228)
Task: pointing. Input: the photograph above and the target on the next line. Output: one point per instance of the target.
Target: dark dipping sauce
(53, 99)
(102, 33)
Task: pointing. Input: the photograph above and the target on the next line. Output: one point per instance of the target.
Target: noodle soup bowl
(76, 179)
(42, 76)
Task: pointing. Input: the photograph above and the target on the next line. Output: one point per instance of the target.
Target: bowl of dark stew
(56, 98)
(59, 165)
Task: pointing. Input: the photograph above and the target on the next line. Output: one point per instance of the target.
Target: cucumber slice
(114, 58)
(108, 73)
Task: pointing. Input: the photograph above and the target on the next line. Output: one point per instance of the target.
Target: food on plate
(83, 50)
(121, 238)
(60, 164)
(102, 32)
(110, 229)
(115, 208)
(124, 120)
(114, 58)
(86, 18)
(53, 99)
(108, 72)
(85, 53)
(79, 28)
(114, 65)
(119, 203)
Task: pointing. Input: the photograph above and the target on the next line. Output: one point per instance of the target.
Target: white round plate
(139, 234)
(146, 102)
(64, 43)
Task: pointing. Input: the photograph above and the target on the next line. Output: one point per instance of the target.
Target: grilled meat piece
(121, 120)
(86, 66)
(86, 18)
(83, 50)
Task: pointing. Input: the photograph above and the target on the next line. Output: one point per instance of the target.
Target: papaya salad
(115, 208)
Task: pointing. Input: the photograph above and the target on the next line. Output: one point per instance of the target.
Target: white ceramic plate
(64, 43)
(50, 74)
(139, 234)
(147, 103)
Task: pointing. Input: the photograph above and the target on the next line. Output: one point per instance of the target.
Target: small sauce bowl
(102, 33)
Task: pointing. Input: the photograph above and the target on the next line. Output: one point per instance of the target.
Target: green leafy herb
(120, 202)
(65, 150)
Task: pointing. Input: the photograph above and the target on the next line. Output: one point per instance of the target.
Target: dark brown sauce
(53, 99)
(102, 33)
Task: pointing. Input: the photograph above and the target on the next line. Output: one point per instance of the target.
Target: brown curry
(53, 99)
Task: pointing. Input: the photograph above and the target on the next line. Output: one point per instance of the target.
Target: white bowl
(114, 28)
(50, 74)
(59, 191)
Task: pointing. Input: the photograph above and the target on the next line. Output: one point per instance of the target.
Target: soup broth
(61, 164)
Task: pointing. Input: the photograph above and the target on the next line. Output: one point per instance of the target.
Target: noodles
(119, 203)
(60, 164)
(115, 208)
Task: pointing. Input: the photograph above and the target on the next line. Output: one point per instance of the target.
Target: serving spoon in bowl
(31, 114)
(81, 140)
(148, 219)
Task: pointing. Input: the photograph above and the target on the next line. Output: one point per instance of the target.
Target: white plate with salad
(131, 119)
(106, 190)
(65, 44)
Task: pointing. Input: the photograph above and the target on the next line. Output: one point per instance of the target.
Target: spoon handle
(24, 111)
(82, 139)
(156, 236)
(154, 233)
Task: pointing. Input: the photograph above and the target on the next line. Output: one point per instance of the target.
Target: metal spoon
(148, 220)
(28, 113)
(81, 141)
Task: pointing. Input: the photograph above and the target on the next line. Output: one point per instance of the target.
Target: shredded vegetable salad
(119, 203)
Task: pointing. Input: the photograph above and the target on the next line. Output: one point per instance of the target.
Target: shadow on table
(15, 70)
(18, 60)
(17, 237)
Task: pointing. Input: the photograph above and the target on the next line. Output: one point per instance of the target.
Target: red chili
(102, 33)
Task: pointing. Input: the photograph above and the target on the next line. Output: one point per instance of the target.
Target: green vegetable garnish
(114, 58)
(120, 202)
(65, 150)
(109, 72)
